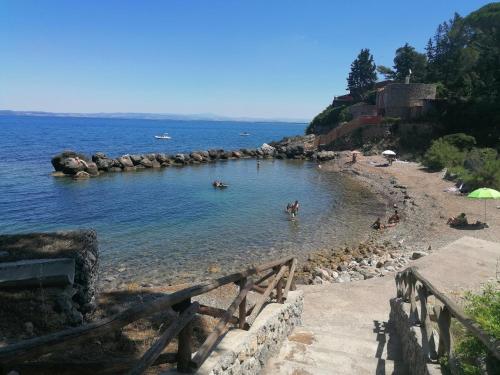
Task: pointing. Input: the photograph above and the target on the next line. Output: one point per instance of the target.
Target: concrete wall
(411, 340)
(246, 352)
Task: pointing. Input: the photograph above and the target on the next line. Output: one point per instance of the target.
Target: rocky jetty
(79, 166)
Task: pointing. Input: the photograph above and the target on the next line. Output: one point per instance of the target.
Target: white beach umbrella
(388, 153)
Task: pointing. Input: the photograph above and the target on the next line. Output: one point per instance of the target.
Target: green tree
(363, 74)
(407, 59)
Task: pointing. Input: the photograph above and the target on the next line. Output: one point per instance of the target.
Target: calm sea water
(163, 225)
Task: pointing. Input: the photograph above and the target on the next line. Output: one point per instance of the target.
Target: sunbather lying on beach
(394, 218)
(460, 220)
(379, 226)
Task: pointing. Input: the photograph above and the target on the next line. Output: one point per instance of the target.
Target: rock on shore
(80, 166)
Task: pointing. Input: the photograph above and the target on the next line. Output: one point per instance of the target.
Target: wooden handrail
(450, 307)
(33, 348)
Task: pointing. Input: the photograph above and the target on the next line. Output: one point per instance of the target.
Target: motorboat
(163, 136)
(244, 134)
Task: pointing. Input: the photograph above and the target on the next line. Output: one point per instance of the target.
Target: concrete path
(345, 326)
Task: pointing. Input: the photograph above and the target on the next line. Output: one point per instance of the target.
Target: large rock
(146, 162)
(72, 166)
(136, 159)
(325, 155)
(92, 168)
(197, 157)
(125, 161)
(58, 160)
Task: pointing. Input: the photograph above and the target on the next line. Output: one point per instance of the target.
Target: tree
(406, 59)
(363, 74)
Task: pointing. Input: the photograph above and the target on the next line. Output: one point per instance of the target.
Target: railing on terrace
(279, 278)
(412, 287)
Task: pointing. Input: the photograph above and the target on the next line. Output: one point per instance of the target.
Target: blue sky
(260, 58)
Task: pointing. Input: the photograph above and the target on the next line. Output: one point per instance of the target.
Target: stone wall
(246, 352)
(411, 340)
(362, 109)
(405, 100)
(79, 245)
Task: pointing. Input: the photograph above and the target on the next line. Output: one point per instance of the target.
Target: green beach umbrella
(484, 193)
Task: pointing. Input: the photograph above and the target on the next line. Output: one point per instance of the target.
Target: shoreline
(424, 206)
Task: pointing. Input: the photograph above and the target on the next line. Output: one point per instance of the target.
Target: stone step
(342, 364)
(373, 346)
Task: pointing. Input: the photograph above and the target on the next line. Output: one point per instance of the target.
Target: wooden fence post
(184, 345)
(242, 314)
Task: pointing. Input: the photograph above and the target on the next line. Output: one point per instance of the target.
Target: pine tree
(363, 74)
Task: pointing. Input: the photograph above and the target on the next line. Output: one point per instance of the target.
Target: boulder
(267, 149)
(103, 164)
(196, 157)
(146, 162)
(151, 157)
(72, 166)
(325, 155)
(155, 164)
(136, 159)
(162, 158)
(180, 158)
(214, 154)
(125, 161)
(236, 154)
(58, 160)
(98, 155)
(92, 168)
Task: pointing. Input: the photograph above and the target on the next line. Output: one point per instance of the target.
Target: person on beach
(379, 226)
(295, 209)
(460, 220)
(394, 218)
(289, 208)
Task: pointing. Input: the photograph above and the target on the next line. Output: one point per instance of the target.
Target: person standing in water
(295, 208)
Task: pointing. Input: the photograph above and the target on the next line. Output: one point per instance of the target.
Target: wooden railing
(412, 287)
(278, 279)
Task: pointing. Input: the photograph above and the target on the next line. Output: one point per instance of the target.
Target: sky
(259, 58)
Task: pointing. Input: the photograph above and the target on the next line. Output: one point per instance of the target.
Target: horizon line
(152, 116)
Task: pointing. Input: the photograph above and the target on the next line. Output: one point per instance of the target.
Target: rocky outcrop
(80, 167)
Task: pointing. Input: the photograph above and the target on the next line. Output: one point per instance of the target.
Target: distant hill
(150, 116)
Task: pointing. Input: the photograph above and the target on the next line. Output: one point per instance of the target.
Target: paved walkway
(345, 328)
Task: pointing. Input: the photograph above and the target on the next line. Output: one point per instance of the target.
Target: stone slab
(36, 273)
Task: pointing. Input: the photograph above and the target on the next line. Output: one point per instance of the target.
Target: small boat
(163, 136)
(244, 134)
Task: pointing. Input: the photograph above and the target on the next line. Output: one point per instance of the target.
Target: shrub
(471, 354)
(460, 140)
(328, 119)
(441, 154)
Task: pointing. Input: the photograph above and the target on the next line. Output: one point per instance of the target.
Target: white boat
(244, 134)
(163, 136)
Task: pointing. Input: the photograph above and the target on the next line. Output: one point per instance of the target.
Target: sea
(168, 226)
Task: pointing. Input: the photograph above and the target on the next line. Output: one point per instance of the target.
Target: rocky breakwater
(79, 166)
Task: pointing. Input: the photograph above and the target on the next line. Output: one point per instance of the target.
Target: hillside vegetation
(463, 60)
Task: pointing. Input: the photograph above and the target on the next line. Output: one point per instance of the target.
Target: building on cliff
(405, 100)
